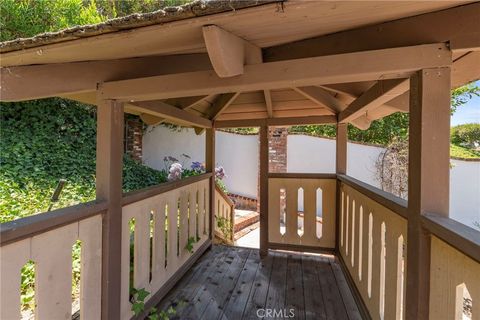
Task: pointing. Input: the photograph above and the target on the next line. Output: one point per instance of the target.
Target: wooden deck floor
(234, 283)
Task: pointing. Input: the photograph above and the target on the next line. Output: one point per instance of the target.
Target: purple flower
(220, 173)
(198, 166)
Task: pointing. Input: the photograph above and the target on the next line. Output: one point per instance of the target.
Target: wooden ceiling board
(264, 26)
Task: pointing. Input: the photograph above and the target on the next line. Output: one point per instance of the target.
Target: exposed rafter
(381, 92)
(221, 103)
(41, 81)
(228, 52)
(388, 63)
(322, 97)
(268, 102)
(163, 110)
(186, 103)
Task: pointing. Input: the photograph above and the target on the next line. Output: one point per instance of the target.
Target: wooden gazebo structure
(256, 64)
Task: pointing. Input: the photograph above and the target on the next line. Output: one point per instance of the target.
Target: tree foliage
(466, 135)
(26, 18)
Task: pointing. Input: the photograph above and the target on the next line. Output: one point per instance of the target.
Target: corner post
(341, 168)
(210, 167)
(428, 183)
(110, 124)
(263, 181)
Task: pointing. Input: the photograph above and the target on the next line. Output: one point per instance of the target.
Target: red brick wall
(133, 138)
(277, 153)
(277, 149)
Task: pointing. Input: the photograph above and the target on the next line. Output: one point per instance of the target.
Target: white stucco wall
(160, 142)
(306, 154)
(361, 162)
(238, 154)
(465, 191)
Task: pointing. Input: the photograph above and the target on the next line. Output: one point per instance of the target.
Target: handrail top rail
(224, 196)
(27, 227)
(460, 236)
(388, 200)
(295, 175)
(142, 194)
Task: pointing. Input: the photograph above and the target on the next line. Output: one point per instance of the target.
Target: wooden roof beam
(322, 97)
(383, 91)
(268, 102)
(50, 80)
(165, 111)
(228, 52)
(377, 64)
(287, 121)
(221, 103)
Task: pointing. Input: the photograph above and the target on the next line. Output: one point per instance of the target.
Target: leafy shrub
(466, 135)
(43, 141)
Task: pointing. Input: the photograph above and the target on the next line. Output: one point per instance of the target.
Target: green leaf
(138, 308)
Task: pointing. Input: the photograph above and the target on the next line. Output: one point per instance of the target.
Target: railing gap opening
(319, 213)
(166, 234)
(301, 212)
(283, 210)
(131, 226)
(360, 242)
(383, 254)
(151, 244)
(463, 303)
(77, 255)
(27, 288)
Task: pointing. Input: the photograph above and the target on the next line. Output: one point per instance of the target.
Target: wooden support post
(210, 167)
(342, 138)
(428, 183)
(341, 168)
(263, 181)
(110, 125)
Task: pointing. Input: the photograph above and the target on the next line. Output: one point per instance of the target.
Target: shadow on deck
(234, 283)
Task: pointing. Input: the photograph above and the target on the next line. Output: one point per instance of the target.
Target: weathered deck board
(230, 283)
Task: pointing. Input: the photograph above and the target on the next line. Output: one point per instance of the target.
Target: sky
(467, 113)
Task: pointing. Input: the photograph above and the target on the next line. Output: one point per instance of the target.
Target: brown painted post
(110, 125)
(210, 167)
(263, 181)
(341, 168)
(428, 183)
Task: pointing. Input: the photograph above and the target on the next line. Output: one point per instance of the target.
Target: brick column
(277, 149)
(133, 138)
(277, 153)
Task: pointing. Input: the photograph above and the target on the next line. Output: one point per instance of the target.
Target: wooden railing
(315, 196)
(162, 232)
(372, 247)
(224, 216)
(165, 227)
(46, 240)
(455, 269)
